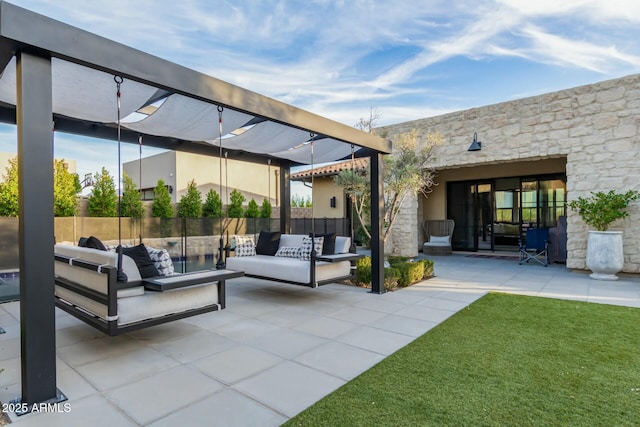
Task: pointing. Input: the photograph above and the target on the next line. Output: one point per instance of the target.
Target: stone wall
(595, 127)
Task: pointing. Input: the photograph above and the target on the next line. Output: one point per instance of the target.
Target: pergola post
(377, 224)
(285, 197)
(36, 230)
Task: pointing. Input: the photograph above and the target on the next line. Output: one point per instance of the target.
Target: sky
(403, 59)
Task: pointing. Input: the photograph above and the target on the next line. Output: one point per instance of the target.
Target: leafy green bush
(253, 210)
(400, 274)
(391, 276)
(394, 260)
(190, 205)
(363, 271)
(265, 209)
(235, 208)
(212, 207)
(410, 272)
(428, 267)
(600, 209)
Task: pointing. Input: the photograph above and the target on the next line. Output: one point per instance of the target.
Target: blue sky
(407, 60)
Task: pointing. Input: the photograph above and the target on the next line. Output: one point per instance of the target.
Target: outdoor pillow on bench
(268, 243)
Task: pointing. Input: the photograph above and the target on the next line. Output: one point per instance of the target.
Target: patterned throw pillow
(162, 260)
(288, 252)
(245, 246)
(305, 250)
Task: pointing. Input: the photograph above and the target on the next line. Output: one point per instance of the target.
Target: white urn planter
(604, 254)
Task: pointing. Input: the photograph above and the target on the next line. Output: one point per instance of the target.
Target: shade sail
(189, 119)
(82, 93)
(83, 66)
(266, 137)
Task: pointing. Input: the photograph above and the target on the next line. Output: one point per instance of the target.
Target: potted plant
(604, 248)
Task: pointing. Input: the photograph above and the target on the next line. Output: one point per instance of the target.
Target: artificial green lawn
(505, 360)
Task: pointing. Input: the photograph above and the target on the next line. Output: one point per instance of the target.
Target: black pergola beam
(36, 229)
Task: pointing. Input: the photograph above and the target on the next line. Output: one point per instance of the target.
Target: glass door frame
(472, 186)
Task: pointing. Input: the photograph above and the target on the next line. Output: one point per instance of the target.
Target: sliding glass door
(494, 214)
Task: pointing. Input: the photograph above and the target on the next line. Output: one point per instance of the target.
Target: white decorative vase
(604, 254)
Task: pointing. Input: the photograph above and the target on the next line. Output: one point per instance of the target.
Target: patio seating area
(275, 350)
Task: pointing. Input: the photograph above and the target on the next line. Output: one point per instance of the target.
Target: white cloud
(339, 58)
(559, 50)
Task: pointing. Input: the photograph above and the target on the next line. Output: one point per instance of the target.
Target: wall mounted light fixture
(475, 144)
(332, 202)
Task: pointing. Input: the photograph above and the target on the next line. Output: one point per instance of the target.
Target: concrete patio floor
(274, 351)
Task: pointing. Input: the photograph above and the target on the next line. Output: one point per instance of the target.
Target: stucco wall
(324, 188)
(595, 127)
(178, 168)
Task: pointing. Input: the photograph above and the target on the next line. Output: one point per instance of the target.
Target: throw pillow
(82, 243)
(141, 257)
(95, 243)
(161, 260)
(268, 243)
(245, 246)
(329, 243)
(305, 250)
(288, 252)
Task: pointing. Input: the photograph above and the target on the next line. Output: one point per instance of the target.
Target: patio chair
(535, 246)
(438, 233)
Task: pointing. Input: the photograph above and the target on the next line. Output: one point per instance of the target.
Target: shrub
(428, 268)
(363, 271)
(391, 276)
(162, 206)
(265, 209)
(600, 209)
(103, 200)
(253, 210)
(410, 272)
(400, 274)
(212, 207)
(190, 205)
(394, 260)
(235, 208)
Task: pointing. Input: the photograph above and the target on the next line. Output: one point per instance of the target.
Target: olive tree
(408, 171)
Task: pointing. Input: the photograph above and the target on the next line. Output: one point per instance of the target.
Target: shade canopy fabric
(88, 94)
(82, 93)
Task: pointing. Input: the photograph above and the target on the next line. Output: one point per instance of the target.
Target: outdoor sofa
(87, 286)
(287, 258)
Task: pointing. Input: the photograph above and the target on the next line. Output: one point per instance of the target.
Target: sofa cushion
(161, 260)
(288, 269)
(288, 252)
(245, 246)
(305, 249)
(268, 243)
(343, 244)
(291, 240)
(142, 259)
(439, 239)
(328, 244)
(90, 278)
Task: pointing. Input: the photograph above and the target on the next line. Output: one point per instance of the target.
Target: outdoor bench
(283, 264)
(86, 286)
